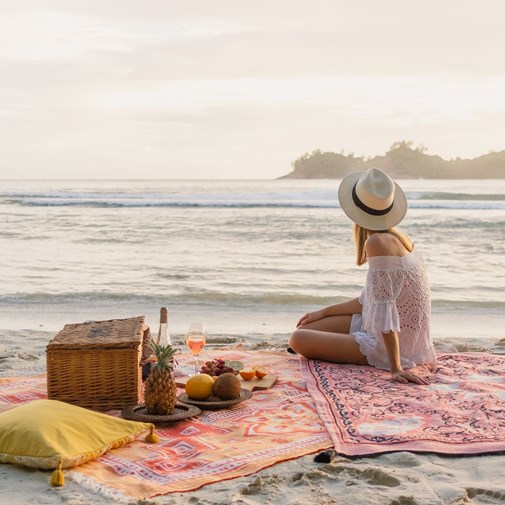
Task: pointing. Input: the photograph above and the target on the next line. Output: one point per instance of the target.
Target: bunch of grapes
(216, 367)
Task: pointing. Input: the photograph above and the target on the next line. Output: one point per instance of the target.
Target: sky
(232, 89)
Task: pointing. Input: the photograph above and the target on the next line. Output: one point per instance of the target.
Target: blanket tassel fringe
(57, 478)
(152, 438)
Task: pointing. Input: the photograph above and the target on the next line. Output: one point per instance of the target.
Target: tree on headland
(402, 160)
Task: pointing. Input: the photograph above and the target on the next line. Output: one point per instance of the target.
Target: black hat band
(366, 208)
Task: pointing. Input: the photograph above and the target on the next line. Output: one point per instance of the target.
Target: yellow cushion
(53, 434)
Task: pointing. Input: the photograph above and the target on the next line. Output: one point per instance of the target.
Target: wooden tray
(259, 384)
(214, 403)
(179, 412)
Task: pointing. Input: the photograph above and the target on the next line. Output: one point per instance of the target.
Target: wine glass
(196, 336)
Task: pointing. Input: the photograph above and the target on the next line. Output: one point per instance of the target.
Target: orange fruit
(260, 371)
(247, 373)
(199, 387)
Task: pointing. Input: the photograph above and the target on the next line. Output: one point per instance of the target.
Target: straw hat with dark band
(372, 199)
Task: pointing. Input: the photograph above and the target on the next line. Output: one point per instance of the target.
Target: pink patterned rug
(462, 411)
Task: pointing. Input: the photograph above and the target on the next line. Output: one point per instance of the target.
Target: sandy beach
(396, 478)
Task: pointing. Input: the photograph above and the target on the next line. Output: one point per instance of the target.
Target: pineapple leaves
(164, 355)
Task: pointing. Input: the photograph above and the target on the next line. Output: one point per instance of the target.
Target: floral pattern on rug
(462, 411)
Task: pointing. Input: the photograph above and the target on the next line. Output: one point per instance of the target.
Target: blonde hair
(361, 235)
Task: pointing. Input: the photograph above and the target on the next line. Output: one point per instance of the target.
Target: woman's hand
(404, 377)
(398, 374)
(310, 317)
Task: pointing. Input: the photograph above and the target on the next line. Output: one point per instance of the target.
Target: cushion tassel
(152, 437)
(57, 479)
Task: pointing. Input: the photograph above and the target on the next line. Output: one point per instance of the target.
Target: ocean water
(246, 257)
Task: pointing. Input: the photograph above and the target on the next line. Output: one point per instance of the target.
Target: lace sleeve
(382, 290)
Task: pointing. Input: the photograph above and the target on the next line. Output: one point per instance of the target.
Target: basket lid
(112, 333)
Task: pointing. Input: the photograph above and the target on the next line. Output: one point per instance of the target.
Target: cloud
(108, 87)
(198, 39)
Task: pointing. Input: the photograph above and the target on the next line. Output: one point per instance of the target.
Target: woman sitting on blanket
(388, 326)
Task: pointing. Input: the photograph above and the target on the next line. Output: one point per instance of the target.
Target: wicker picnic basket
(97, 364)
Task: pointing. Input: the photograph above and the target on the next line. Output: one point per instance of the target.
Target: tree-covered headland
(402, 161)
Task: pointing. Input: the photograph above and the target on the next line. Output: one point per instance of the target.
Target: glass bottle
(163, 335)
(163, 338)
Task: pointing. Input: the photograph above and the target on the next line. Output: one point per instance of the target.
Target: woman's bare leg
(328, 339)
(333, 324)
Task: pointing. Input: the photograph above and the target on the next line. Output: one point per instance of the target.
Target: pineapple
(160, 394)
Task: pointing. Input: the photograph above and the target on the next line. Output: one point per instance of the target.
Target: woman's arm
(340, 309)
(393, 351)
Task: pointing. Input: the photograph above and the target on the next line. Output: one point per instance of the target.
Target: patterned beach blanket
(462, 411)
(273, 426)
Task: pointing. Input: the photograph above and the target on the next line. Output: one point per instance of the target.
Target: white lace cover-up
(396, 297)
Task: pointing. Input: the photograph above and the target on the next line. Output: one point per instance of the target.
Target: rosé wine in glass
(196, 336)
(195, 345)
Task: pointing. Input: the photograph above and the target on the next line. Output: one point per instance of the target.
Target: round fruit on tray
(199, 386)
(247, 373)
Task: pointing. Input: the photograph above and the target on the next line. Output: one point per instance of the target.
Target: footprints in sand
(472, 493)
(319, 481)
(259, 491)
(5, 361)
(404, 500)
(22, 362)
(373, 475)
(26, 356)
